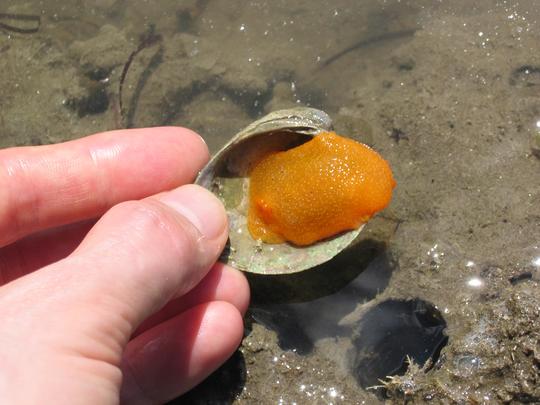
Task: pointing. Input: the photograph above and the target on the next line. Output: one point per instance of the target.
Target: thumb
(137, 257)
(143, 253)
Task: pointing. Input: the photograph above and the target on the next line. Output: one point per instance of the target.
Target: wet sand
(449, 94)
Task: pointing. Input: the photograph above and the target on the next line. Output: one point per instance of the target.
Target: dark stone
(518, 278)
(392, 331)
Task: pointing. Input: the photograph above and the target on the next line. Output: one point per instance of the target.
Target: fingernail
(200, 207)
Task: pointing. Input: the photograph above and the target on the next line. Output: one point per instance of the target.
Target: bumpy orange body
(325, 186)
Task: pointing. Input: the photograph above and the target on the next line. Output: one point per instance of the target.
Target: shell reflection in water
(227, 176)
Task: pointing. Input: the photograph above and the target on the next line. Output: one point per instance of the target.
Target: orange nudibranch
(319, 189)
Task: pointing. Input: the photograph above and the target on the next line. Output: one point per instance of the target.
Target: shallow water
(448, 92)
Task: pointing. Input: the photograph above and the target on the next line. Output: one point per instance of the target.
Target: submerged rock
(394, 333)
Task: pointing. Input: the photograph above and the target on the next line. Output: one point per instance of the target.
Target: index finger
(52, 185)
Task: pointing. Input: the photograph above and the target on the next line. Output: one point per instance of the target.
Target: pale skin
(110, 288)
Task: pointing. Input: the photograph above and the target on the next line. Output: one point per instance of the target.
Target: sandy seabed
(448, 93)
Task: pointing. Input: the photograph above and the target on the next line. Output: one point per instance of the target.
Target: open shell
(227, 176)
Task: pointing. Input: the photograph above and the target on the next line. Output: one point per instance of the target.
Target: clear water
(448, 92)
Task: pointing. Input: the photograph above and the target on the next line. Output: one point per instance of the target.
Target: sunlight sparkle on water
(475, 282)
(332, 392)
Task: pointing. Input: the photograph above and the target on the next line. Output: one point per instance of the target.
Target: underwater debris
(146, 40)
(398, 134)
(387, 36)
(525, 76)
(34, 20)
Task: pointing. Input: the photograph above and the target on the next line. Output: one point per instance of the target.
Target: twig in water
(146, 40)
(20, 17)
(387, 36)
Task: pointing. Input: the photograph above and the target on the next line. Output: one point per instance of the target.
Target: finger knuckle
(152, 219)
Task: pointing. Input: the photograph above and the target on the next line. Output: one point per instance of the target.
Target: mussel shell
(226, 175)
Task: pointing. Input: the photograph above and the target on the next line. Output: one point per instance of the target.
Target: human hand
(128, 307)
